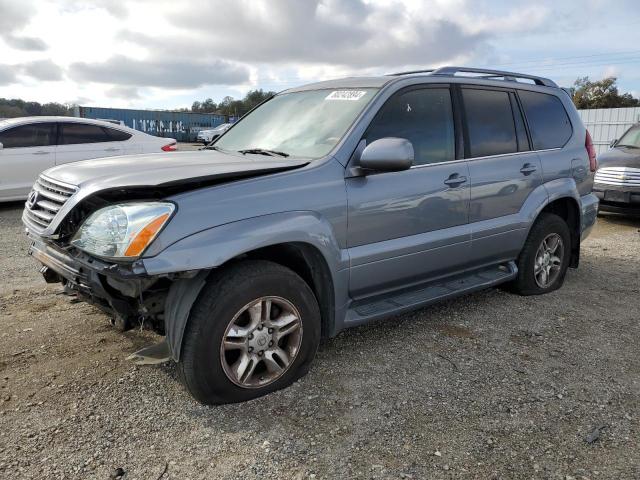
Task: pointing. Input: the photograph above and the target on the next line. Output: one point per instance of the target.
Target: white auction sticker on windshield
(350, 95)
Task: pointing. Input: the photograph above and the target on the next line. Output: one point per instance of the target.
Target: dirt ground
(487, 386)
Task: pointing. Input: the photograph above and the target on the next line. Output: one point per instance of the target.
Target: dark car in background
(617, 181)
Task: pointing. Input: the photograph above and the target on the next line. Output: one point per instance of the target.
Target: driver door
(410, 226)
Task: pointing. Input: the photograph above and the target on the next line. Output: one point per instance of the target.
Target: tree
(600, 94)
(19, 108)
(229, 106)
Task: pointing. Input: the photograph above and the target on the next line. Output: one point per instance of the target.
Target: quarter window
(548, 120)
(490, 122)
(424, 117)
(117, 135)
(33, 135)
(75, 133)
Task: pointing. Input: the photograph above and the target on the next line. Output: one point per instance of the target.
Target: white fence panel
(606, 124)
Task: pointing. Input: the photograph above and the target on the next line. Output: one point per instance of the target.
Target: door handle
(454, 180)
(41, 153)
(528, 168)
(112, 149)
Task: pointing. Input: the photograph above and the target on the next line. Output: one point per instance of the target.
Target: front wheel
(254, 329)
(544, 259)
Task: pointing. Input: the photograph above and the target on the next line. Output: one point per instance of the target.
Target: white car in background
(208, 136)
(29, 145)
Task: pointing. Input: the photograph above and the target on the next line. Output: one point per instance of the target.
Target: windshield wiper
(264, 151)
(629, 146)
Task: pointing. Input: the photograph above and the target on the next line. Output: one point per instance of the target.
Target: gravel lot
(488, 386)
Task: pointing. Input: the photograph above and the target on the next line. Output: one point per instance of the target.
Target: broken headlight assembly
(122, 231)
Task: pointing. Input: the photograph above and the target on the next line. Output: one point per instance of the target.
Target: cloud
(25, 43)
(127, 93)
(115, 8)
(354, 33)
(44, 70)
(164, 73)
(14, 16)
(7, 75)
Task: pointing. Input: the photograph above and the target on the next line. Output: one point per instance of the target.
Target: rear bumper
(589, 206)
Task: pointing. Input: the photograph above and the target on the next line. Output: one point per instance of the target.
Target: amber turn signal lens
(144, 237)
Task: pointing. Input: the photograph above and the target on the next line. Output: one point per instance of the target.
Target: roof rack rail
(484, 73)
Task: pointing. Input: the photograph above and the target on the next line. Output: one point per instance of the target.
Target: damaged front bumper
(126, 292)
(94, 280)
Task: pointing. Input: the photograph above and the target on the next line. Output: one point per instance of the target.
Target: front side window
(78, 133)
(489, 122)
(631, 138)
(300, 124)
(424, 117)
(33, 135)
(548, 120)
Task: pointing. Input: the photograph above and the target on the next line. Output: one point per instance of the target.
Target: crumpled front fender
(206, 250)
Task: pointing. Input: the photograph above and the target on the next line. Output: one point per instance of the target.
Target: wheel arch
(300, 241)
(568, 209)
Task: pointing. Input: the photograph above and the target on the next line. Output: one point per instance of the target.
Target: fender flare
(209, 249)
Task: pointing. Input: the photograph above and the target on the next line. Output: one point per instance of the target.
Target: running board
(385, 305)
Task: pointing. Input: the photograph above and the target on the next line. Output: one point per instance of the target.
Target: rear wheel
(254, 329)
(544, 259)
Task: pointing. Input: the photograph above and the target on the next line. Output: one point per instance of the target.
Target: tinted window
(424, 117)
(34, 135)
(489, 122)
(117, 135)
(548, 120)
(74, 133)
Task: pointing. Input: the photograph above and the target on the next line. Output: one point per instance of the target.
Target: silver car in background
(29, 145)
(209, 135)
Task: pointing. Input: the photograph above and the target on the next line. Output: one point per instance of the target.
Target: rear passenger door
(82, 141)
(503, 169)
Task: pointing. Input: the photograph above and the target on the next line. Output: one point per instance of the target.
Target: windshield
(630, 139)
(299, 124)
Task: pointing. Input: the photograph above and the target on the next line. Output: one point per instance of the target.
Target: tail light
(591, 151)
(170, 147)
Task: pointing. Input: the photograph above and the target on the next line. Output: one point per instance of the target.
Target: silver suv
(328, 206)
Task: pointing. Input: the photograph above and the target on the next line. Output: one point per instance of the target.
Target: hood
(620, 157)
(168, 169)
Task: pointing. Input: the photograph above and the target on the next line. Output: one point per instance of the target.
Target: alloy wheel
(548, 260)
(261, 342)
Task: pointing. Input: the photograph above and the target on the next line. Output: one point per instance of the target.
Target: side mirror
(388, 154)
(613, 143)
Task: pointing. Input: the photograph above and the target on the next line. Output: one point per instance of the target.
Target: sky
(162, 54)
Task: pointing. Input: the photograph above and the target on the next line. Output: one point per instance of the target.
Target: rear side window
(117, 135)
(548, 120)
(33, 135)
(424, 117)
(490, 122)
(75, 133)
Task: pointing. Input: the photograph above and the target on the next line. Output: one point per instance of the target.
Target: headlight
(122, 231)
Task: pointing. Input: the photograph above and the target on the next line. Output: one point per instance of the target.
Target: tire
(229, 305)
(547, 227)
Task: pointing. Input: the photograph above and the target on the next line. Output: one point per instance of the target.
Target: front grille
(45, 200)
(619, 176)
